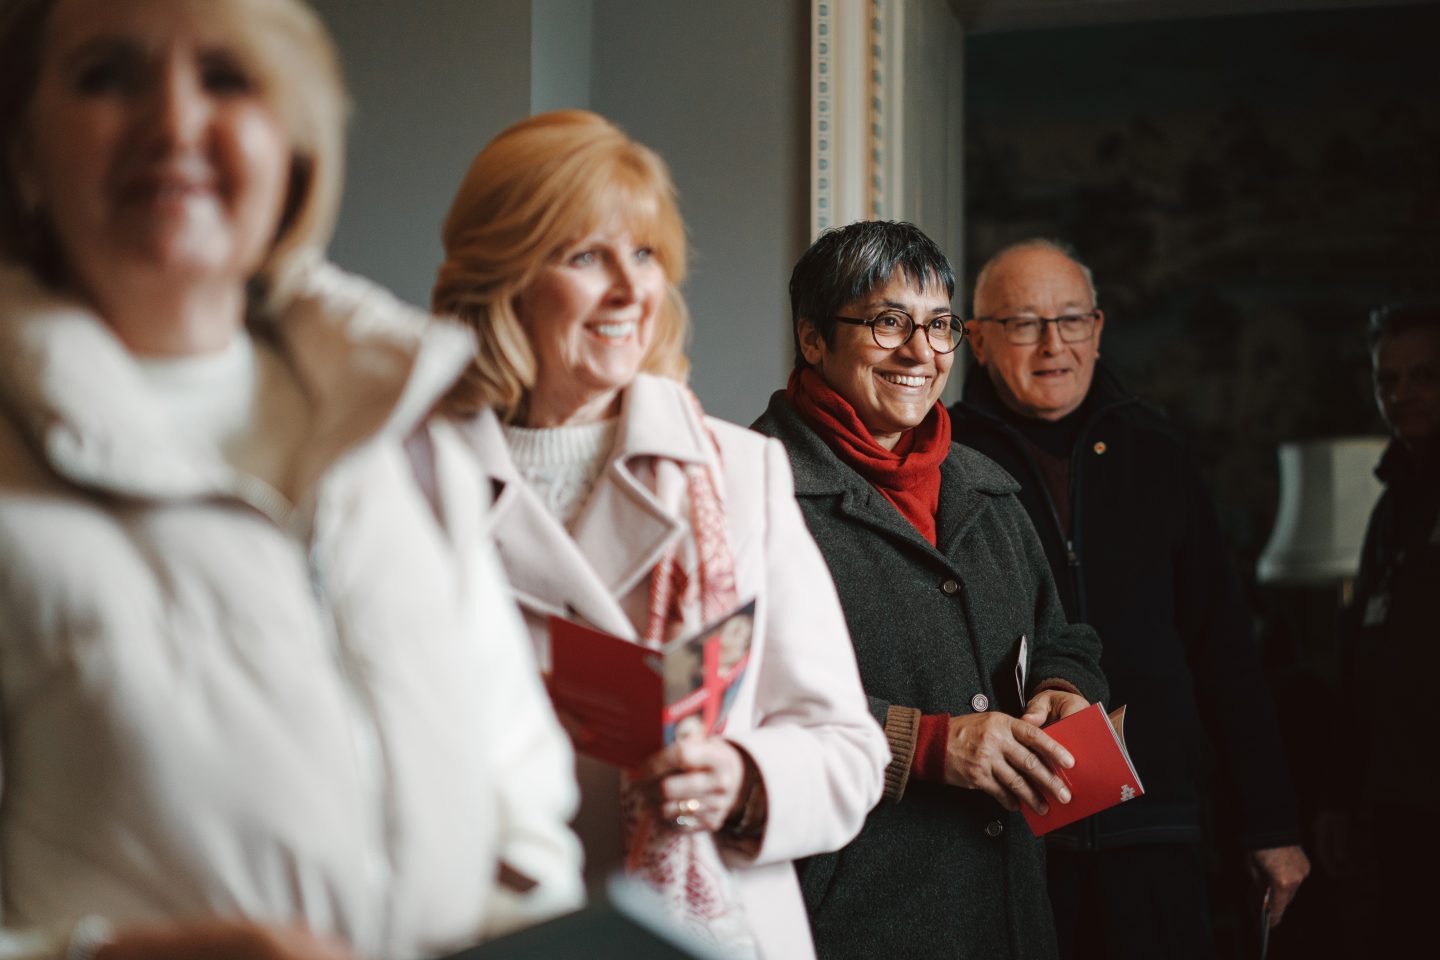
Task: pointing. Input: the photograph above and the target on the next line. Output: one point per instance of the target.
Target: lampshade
(1327, 490)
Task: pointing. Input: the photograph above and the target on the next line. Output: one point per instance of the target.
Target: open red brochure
(632, 699)
(1103, 775)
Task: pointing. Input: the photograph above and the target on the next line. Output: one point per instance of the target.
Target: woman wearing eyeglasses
(962, 643)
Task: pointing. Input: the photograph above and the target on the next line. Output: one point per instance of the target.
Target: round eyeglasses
(894, 328)
(1024, 331)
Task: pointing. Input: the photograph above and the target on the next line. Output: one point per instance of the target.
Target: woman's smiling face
(152, 147)
(891, 390)
(590, 317)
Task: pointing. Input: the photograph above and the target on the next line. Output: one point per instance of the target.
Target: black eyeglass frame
(1093, 315)
(956, 324)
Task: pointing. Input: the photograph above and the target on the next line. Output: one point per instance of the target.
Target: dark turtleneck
(1051, 442)
(1412, 479)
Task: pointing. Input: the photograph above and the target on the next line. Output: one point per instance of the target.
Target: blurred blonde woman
(620, 503)
(264, 696)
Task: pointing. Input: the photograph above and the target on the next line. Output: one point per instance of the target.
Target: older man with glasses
(1136, 550)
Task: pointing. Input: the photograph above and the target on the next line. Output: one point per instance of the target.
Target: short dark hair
(847, 262)
(1401, 316)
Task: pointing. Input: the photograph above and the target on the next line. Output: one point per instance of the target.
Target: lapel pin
(1099, 446)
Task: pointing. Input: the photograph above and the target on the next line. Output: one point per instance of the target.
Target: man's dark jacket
(942, 871)
(1394, 638)
(1146, 566)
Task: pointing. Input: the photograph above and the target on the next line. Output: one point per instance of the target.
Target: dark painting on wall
(1245, 190)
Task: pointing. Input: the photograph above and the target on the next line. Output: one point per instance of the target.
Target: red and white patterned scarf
(693, 584)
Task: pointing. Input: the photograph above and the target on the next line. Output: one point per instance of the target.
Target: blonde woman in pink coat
(621, 504)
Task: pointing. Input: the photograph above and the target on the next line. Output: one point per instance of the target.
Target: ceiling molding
(998, 16)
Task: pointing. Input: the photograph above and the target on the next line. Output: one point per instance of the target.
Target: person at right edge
(1391, 637)
(1136, 550)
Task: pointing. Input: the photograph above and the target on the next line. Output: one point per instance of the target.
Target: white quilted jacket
(216, 702)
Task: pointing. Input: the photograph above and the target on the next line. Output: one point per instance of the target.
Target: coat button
(994, 828)
(979, 703)
(950, 587)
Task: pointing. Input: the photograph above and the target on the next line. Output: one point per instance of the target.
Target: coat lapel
(968, 481)
(971, 481)
(623, 530)
(546, 569)
(819, 472)
(76, 392)
(366, 363)
(957, 511)
(626, 528)
(369, 364)
(868, 507)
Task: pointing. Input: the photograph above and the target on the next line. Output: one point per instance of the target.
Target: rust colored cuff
(902, 725)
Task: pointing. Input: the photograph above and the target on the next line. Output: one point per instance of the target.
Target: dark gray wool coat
(943, 872)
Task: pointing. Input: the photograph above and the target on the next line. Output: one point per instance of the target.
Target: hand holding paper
(1102, 775)
(622, 701)
(1007, 758)
(696, 777)
(1053, 704)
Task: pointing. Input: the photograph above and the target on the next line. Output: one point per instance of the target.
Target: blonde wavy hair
(287, 46)
(537, 188)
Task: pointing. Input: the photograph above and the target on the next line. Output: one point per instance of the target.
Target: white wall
(933, 127)
(431, 82)
(719, 89)
(933, 135)
(560, 53)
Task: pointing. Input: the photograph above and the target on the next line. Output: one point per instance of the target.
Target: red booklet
(1103, 775)
(632, 699)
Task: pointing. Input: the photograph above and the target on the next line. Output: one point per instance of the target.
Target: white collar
(367, 363)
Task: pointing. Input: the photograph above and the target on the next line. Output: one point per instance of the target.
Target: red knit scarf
(908, 476)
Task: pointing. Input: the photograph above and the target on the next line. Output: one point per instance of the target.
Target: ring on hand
(686, 822)
(688, 807)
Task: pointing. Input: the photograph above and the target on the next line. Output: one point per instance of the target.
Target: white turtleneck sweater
(243, 403)
(562, 464)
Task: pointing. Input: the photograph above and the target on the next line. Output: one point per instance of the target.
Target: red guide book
(632, 699)
(1103, 775)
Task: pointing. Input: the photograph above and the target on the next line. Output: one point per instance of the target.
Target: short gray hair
(1036, 243)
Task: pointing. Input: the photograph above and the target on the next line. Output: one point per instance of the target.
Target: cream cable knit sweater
(562, 463)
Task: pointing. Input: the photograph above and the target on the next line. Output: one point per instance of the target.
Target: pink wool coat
(800, 712)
